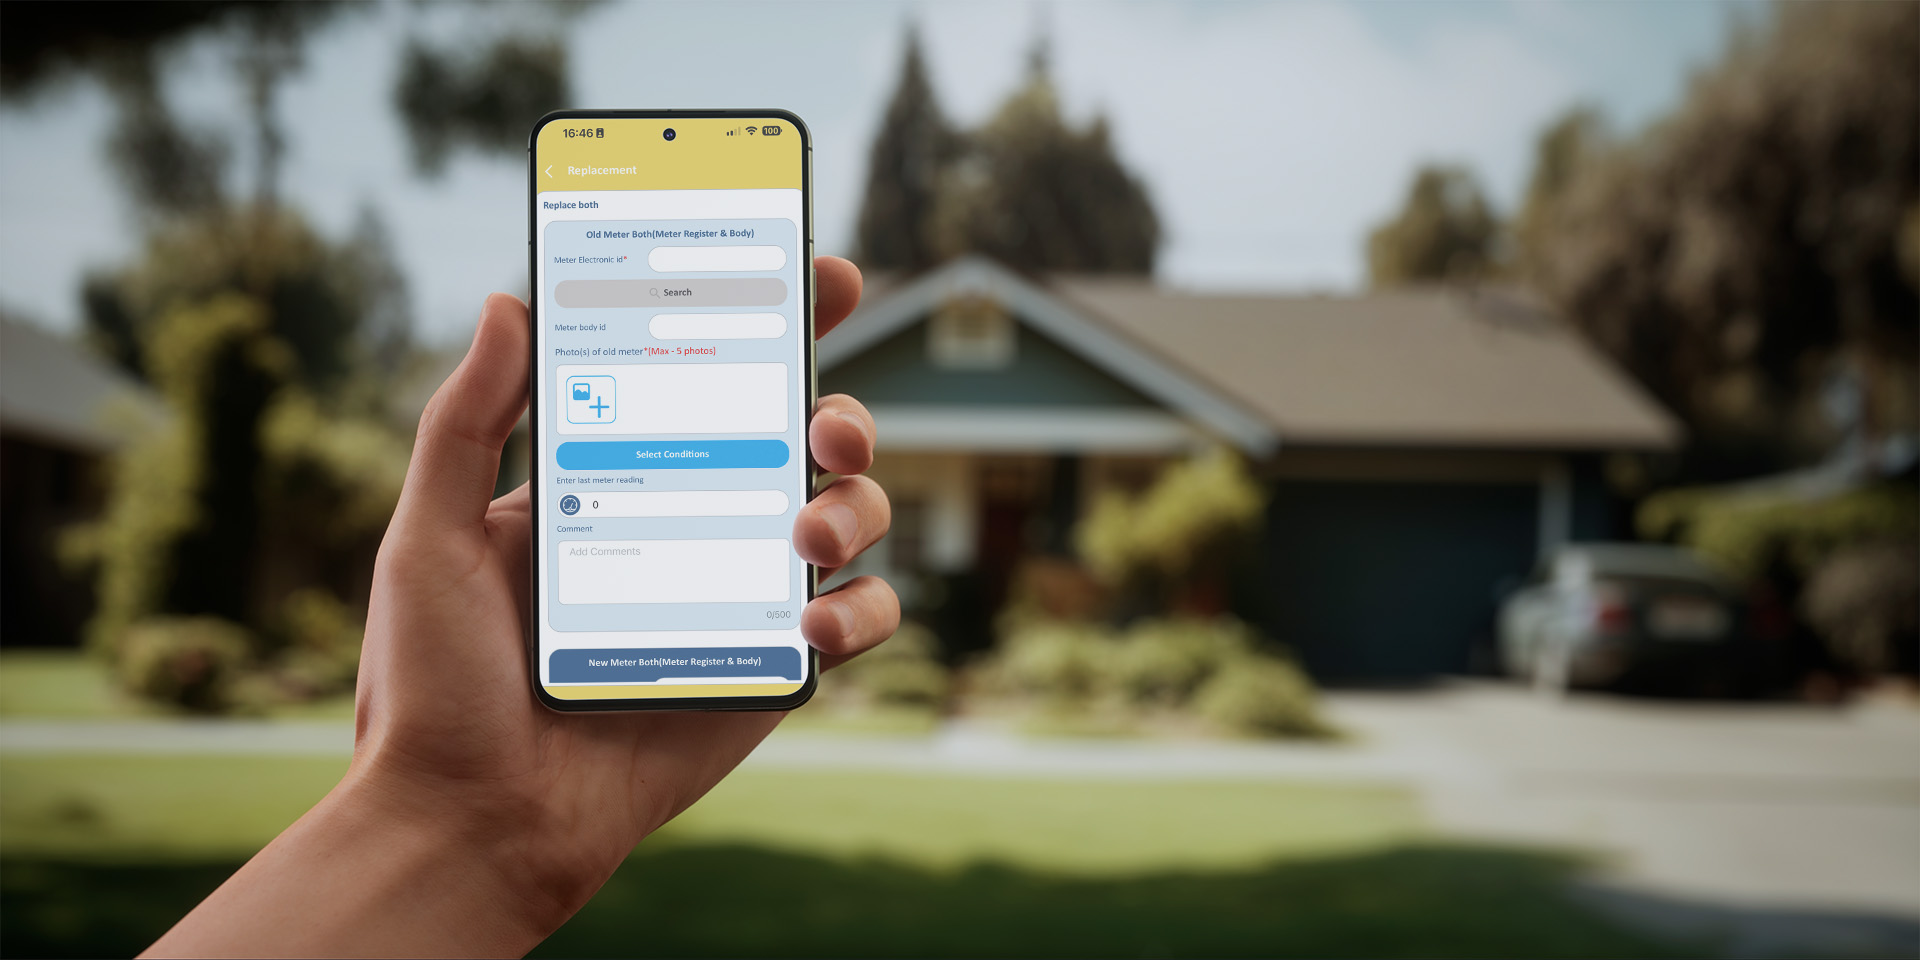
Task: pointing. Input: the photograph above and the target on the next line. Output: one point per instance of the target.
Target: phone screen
(672, 381)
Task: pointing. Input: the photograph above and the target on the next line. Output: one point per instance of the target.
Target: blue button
(671, 455)
(647, 665)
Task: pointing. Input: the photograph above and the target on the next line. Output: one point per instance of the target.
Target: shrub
(1262, 696)
(1166, 660)
(189, 662)
(1170, 528)
(323, 644)
(1057, 659)
(904, 671)
(1865, 604)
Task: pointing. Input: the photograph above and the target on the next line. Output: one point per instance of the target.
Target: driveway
(1772, 828)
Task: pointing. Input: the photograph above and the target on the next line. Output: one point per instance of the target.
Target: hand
(472, 819)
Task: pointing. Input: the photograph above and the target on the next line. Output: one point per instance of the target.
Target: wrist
(477, 844)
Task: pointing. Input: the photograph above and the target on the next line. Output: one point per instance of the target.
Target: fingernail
(858, 424)
(842, 620)
(842, 521)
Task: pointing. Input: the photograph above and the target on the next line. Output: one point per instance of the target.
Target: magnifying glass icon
(653, 292)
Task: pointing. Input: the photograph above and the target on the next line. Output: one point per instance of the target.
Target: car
(1608, 615)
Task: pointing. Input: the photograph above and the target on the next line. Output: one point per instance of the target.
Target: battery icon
(770, 130)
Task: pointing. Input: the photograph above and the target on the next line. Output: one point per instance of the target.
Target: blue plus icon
(590, 399)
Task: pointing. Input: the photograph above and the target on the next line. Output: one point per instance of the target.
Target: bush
(1864, 602)
(189, 662)
(1261, 696)
(905, 671)
(1744, 533)
(1214, 667)
(1189, 512)
(323, 645)
(1165, 660)
(1056, 659)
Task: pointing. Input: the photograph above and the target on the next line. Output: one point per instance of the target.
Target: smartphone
(673, 378)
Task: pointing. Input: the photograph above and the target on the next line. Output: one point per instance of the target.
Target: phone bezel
(812, 578)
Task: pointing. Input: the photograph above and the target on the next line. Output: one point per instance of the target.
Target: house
(1421, 449)
(59, 404)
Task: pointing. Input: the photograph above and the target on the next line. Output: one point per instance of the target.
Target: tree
(486, 102)
(1750, 258)
(1444, 232)
(1027, 188)
(904, 168)
(1567, 147)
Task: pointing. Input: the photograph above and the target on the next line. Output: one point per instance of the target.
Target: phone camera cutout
(668, 133)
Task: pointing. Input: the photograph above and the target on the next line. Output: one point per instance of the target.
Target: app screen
(671, 332)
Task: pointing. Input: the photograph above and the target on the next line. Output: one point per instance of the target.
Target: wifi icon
(753, 130)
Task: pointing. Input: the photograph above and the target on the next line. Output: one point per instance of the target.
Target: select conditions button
(672, 455)
(676, 663)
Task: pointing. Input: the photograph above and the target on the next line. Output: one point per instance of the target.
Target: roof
(57, 390)
(1417, 368)
(1427, 367)
(1099, 343)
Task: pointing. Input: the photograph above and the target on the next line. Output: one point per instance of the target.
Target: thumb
(456, 455)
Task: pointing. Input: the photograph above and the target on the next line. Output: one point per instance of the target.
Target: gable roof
(58, 391)
(1098, 343)
(1419, 368)
(1424, 367)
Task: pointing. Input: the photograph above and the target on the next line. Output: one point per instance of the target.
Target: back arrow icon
(549, 171)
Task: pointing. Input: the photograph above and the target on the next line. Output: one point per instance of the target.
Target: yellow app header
(705, 153)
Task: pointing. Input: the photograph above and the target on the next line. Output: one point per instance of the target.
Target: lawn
(68, 685)
(99, 854)
(102, 852)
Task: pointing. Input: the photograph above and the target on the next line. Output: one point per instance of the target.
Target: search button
(743, 292)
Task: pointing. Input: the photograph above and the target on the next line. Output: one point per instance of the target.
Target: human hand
(513, 814)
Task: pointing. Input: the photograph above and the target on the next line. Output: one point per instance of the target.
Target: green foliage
(487, 101)
(904, 169)
(1192, 509)
(1563, 151)
(1212, 668)
(903, 672)
(1059, 660)
(315, 297)
(159, 484)
(1748, 250)
(1027, 188)
(1165, 660)
(1262, 697)
(1041, 196)
(1746, 534)
(190, 662)
(1444, 232)
(261, 499)
(322, 638)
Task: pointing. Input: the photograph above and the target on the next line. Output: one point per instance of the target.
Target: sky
(1270, 136)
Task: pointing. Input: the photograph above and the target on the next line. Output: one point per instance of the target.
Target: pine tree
(909, 157)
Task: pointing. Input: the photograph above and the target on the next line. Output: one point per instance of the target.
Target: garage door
(1392, 581)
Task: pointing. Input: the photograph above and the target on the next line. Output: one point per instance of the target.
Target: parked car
(1606, 614)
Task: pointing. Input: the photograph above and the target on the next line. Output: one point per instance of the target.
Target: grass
(61, 684)
(733, 900)
(160, 808)
(69, 685)
(101, 853)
